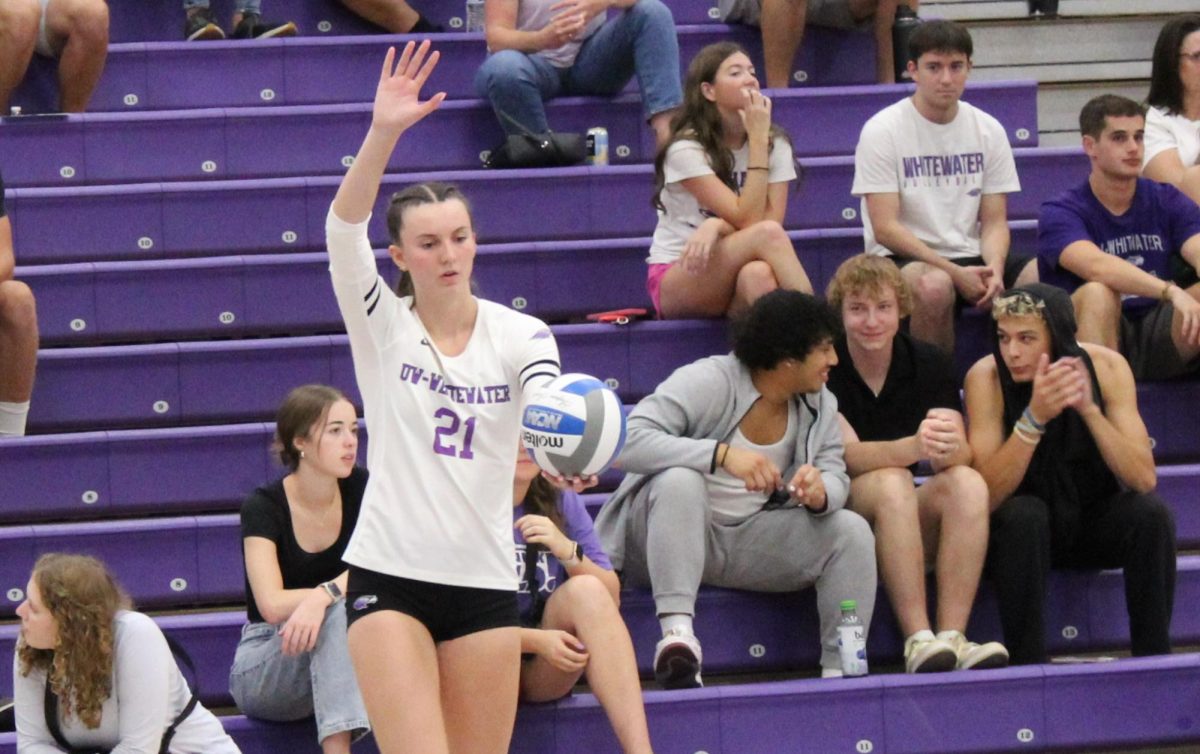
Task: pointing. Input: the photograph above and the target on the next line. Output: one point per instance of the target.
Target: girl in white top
(431, 595)
(117, 683)
(721, 192)
(1173, 119)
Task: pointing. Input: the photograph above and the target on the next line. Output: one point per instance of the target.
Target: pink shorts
(654, 276)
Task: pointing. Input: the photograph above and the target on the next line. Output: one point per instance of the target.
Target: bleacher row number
(865, 746)
(484, 155)
(612, 383)
(208, 166)
(289, 236)
(324, 27)
(266, 95)
(90, 497)
(226, 318)
(849, 213)
(161, 407)
(78, 325)
(348, 160)
(145, 243)
(178, 584)
(456, 22)
(1022, 134)
(714, 13)
(519, 303)
(1025, 735)
(622, 150)
(758, 650)
(800, 76)
(131, 100)
(15, 594)
(1070, 632)
(66, 171)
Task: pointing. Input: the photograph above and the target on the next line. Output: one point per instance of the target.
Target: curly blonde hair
(868, 275)
(83, 597)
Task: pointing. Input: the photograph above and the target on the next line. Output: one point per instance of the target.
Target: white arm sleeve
(144, 667)
(33, 737)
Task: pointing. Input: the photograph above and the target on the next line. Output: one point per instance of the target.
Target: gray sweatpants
(673, 546)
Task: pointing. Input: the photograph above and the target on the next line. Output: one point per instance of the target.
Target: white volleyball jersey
(443, 429)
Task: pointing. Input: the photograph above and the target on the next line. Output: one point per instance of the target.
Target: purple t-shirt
(1149, 234)
(550, 573)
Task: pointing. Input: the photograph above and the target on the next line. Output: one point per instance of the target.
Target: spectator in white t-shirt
(1173, 119)
(933, 173)
(721, 189)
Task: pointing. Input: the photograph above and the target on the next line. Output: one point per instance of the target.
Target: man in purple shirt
(1126, 248)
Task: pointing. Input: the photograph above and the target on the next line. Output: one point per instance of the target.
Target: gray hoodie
(692, 411)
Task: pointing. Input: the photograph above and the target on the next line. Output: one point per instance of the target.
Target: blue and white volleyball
(574, 426)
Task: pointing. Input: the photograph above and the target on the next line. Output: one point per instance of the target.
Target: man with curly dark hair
(735, 478)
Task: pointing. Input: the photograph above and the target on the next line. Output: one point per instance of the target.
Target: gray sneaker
(677, 660)
(972, 656)
(926, 653)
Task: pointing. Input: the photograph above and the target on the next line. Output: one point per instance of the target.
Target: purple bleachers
(1136, 702)
(244, 380)
(288, 214)
(263, 142)
(332, 70)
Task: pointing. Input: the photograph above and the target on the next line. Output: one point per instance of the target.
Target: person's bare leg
(754, 281)
(1187, 351)
(78, 34)
(885, 16)
(480, 679)
(953, 506)
(583, 607)
(18, 36)
(782, 23)
(1097, 314)
(18, 341)
(337, 743)
(396, 16)
(396, 664)
(710, 293)
(887, 499)
(933, 304)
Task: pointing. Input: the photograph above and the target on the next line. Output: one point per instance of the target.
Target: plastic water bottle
(852, 641)
(474, 15)
(905, 23)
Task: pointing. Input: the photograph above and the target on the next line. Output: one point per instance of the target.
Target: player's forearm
(356, 195)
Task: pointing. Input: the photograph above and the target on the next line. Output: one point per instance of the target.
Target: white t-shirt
(1165, 132)
(148, 692)
(686, 159)
(727, 495)
(533, 15)
(941, 171)
(444, 429)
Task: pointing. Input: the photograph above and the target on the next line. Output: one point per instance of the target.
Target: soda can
(597, 145)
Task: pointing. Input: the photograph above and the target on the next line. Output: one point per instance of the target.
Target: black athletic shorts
(449, 612)
(1014, 263)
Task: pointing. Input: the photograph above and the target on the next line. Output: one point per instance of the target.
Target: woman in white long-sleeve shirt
(117, 683)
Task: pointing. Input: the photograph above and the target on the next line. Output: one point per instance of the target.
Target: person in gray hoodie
(735, 478)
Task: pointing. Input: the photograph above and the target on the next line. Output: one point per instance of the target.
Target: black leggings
(1131, 531)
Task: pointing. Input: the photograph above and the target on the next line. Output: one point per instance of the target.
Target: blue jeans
(243, 6)
(269, 685)
(641, 40)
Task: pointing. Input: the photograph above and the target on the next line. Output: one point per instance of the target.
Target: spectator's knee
(586, 596)
(19, 19)
(18, 309)
(852, 534)
(88, 21)
(679, 489)
(1154, 519)
(499, 69)
(652, 12)
(756, 279)
(1021, 520)
(1096, 300)
(967, 493)
(934, 291)
(771, 237)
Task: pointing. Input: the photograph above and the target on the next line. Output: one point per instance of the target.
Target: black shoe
(253, 27)
(199, 25)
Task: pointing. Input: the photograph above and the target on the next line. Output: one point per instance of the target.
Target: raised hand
(1055, 387)
(541, 530)
(756, 114)
(397, 98)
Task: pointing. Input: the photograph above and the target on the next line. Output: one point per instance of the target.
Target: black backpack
(51, 708)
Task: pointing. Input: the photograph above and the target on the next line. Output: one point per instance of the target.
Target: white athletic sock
(12, 418)
(675, 620)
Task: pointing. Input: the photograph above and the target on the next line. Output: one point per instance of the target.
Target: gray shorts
(1146, 342)
(832, 13)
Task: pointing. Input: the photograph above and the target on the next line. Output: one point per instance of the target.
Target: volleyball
(574, 426)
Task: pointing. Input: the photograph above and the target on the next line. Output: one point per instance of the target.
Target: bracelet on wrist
(723, 453)
(1024, 436)
(757, 167)
(1027, 415)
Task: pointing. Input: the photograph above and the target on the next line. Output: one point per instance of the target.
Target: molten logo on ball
(574, 426)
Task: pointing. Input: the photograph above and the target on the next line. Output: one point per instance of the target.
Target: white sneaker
(972, 656)
(677, 659)
(926, 653)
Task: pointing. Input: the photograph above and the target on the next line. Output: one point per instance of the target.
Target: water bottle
(1043, 8)
(905, 23)
(852, 641)
(474, 16)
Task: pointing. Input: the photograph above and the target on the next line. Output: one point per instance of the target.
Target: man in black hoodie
(1056, 434)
